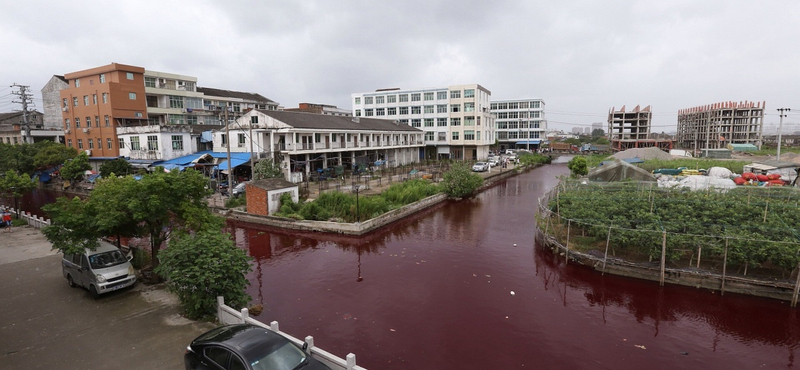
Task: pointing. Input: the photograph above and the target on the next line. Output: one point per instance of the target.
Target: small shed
(264, 196)
(742, 147)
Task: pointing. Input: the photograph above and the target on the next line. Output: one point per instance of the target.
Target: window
(138, 114)
(523, 105)
(254, 119)
(88, 122)
(403, 98)
(99, 143)
(105, 98)
(513, 105)
(108, 122)
(441, 95)
(469, 121)
(416, 122)
(80, 143)
(368, 112)
(535, 114)
(416, 110)
(469, 93)
(429, 136)
(403, 110)
(415, 97)
(86, 100)
(69, 143)
(380, 112)
(404, 122)
(74, 101)
(428, 109)
(441, 136)
(469, 135)
(129, 75)
(455, 108)
(152, 142)
(64, 103)
(217, 355)
(132, 95)
(391, 99)
(91, 143)
(477, 135)
(77, 82)
(96, 121)
(191, 120)
(441, 122)
(367, 100)
(428, 122)
(455, 121)
(469, 107)
(358, 112)
(358, 100)
(535, 104)
(379, 99)
(241, 140)
(109, 142)
(149, 81)
(175, 101)
(391, 111)
(455, 135)
(441, 108)
(428, 96)
(135, 143)
(455, 94)
(94, 99)
(177, 142)
(121, 143)
(77, 123)
(66, 123)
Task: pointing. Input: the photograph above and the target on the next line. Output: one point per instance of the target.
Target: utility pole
(228, 147)
(24, 99)
(780, 128)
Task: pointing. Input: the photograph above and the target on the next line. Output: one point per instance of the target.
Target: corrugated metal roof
(304, 120)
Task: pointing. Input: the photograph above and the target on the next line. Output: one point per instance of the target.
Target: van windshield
(106, 259)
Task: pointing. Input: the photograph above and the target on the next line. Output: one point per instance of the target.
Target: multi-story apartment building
(520, 123)
(455, 120)
(97, 101)
(51, 100)
(306, 142)
(714, 126)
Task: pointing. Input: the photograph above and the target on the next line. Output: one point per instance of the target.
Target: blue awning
(531, 142)
(223, 166)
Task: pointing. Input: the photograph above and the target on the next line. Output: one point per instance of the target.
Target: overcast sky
(582, 57)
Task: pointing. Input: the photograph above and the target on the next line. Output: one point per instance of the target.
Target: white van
(102, 270)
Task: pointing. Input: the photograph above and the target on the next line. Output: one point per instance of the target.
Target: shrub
(577, 166)
(199, 267)
(460, 181)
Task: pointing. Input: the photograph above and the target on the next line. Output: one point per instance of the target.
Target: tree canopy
(119, 167)
(15, 185)
(265, 169)
(460, 181)
(50, 154)
(75, 168)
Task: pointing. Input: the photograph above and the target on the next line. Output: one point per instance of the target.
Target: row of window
(68, 122)
(517, 125)
(426, 96)
(442, 136)
(152, 143)
(90, 143)
(77, 81)
(511, 135)
(512, 115)
(418, 109)
(441, 122)
(516, 105)
(86, 100)
(169, 84)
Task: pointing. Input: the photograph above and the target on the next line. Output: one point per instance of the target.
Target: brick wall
(256, 200)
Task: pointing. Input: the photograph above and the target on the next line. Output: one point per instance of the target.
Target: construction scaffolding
(714, 126)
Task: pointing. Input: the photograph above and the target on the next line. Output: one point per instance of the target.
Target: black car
(247, 347)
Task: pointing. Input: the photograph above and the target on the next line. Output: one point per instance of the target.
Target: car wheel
(93, 292)
(70, 281)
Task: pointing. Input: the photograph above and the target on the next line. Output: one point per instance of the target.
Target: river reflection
(434, 291)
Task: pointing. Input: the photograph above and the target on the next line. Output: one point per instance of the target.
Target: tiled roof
(233, 94)
(322, 121)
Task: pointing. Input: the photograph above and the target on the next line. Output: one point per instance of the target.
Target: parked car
(102, 270)
(238, 189)
(494, 161)
(247, 347)
(480, 167)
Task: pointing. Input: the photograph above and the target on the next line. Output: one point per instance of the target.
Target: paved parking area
(45, 324)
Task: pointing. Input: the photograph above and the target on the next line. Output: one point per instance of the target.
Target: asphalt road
(45, 324)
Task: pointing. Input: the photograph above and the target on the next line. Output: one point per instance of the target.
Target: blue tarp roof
(236, 162)
(186, 161)
(206, 137)
(534, 142)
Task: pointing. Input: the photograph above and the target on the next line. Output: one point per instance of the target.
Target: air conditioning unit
(86, 130)
(66, 131)
(65, 109)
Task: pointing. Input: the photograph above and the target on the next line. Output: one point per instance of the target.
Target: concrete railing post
(274, 326)
(220, 303)
(310, 341)
(351, 361)
(245, 315)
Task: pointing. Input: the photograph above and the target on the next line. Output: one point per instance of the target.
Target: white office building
(456, 120)
(520, 123)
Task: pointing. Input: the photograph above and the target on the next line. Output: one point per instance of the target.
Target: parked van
(102, 270)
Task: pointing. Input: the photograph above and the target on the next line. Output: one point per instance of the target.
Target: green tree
(15, 185)
(598, 132)
(460, 181)
(73, 225)
(573, 141)
(75, 168)
(266, 169)
(201, 266)
(119, 167)
(577, 166)
(17, 157)
(50, 154)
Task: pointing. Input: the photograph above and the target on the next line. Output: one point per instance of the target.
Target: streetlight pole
(358, 215)
(780, 128)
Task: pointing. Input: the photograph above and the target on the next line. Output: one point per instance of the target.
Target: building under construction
(714, 126)
(628, 130)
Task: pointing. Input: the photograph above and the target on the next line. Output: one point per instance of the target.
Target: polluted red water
(448, 289)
